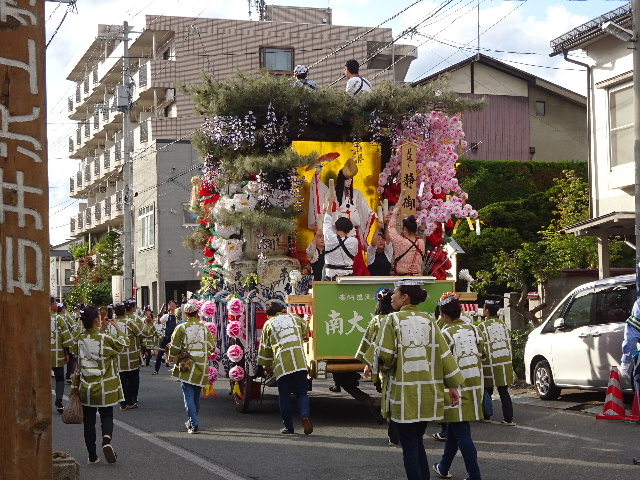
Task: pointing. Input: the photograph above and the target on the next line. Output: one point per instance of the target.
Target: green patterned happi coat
(60, 339)
(466, 345)
(282, 344)
(415, 358)
(368, 338)
(496, 358)
(98, 366)
(130, 358)
(195, 338)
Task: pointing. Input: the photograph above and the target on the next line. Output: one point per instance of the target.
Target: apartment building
(167, 53)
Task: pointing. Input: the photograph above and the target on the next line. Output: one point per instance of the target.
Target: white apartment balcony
(72, 225)
(80, 228)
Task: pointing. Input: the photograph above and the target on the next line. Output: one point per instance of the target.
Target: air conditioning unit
(170, 94)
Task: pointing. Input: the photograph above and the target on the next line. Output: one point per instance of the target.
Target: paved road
(549, 441)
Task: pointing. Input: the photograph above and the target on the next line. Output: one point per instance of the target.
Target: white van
(582, 338)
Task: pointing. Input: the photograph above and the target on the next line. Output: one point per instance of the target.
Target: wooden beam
(25, 410)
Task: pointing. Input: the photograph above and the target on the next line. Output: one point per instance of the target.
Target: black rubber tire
(543, 381)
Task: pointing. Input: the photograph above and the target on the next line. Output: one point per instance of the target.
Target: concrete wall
(561, 134)
(612, 188)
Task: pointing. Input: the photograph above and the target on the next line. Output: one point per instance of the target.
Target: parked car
(582, 338)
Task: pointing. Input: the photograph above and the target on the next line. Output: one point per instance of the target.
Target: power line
(70, 7)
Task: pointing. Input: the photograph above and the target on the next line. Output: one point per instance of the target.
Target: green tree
(92, 282)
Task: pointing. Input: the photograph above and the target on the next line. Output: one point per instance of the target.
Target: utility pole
(25, 410)
(128, 196)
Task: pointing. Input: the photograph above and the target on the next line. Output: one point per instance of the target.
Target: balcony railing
(70, 144)
(71, 185)
(86, 85)
(80, 221)
(107, 160)
(142, 75)
(87, 129)
(95, 74)
(107, 206)
(79, 179)
(87, 217)
(96, 166)
(96, 119)
(72, 225)
(144, 131)
(70, 104)
(79, 135)
(119, 203)
(78, 93)
(97, 212)
(118, 151)
(87, 174)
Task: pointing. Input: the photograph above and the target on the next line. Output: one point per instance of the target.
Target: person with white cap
(282, 348)
(412, 352)
(300, 73)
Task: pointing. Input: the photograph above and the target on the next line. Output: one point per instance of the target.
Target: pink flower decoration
(236, 373)
(235, 353)
(213, 374)
(208, 309)
(215, 354)
(235, 306)
(380, 190)
(234, 329)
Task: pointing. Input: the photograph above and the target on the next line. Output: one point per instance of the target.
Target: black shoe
(307, 425)
(193, 430)
(636, 461)
(59, 406)
(335, 389)
(109, 453)
(287, 431)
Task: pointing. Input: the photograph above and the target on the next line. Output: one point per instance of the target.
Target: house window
(621, 125)
(147, 218)
(540, 108)
(189, 219)
(67, 276)
(277, 59)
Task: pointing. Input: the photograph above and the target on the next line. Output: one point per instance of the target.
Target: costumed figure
(349, 202)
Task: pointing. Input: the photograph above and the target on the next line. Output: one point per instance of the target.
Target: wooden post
(25, 409)
(408, 179)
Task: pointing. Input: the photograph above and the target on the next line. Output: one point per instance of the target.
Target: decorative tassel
(477, 226)
(470, 222)
(455, 228)
(236, 390)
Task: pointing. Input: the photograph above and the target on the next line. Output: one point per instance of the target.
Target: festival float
(273, 154)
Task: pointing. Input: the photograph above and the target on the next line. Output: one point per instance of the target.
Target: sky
(515, 31)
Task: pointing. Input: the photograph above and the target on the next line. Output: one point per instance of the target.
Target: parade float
(271, 152)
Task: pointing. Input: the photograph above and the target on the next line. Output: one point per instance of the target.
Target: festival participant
(300, 73)
(497, 360)
(408, 250)
(282, 348)
(383, 308)
(61, 341)
(415, 357)
(151, 339)
(129, 358)
(192, 340)
(466, 346)
(340, 249)
(630, 362)
(379, 255)
(346, 202)
(169, 320)
(357, 85)
(315, 252)
(99, 384)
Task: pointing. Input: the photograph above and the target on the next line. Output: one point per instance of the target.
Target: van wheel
(543, 381)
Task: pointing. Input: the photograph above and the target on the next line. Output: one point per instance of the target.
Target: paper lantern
(235, 353)
(234, 329)
(236, 373)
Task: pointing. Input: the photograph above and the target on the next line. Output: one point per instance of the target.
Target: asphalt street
(552, 440)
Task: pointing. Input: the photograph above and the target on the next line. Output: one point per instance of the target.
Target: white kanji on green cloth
(282, 344)
(61, 339)
(496, 360)
(194, 338)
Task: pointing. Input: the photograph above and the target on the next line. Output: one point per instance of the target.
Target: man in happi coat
(282, 348)
(497, 359)
(61, 341)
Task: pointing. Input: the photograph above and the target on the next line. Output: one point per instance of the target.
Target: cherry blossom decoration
(235, 353)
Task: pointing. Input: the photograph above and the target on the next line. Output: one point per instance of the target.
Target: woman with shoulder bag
(192, 344)
(99, 384)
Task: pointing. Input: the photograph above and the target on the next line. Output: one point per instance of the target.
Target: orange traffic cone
(613, 404)
(635, 410)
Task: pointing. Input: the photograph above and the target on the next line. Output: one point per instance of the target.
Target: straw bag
(72, 413)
